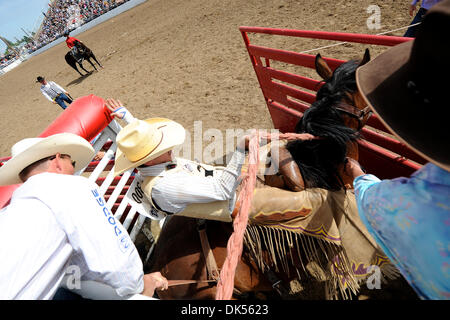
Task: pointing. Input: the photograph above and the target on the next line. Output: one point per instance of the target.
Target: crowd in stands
(66, 15)
(5, 60)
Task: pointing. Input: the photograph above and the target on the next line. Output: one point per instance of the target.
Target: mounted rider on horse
(78, 53)
(70, 41)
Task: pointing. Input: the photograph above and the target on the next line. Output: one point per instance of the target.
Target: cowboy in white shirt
(176, 185)
(54, 92)
(56, 220)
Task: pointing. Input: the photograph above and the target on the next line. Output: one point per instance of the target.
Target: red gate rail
(380, 154)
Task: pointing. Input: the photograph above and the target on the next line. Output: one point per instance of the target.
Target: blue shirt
(410, 219)
(426, 4)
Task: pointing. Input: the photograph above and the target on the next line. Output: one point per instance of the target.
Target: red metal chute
(287, 97)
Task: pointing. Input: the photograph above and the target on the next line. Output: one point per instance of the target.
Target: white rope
(378, 34)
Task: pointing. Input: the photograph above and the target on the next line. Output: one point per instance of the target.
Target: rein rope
(172, 283)
(344, 42)
(225, 285)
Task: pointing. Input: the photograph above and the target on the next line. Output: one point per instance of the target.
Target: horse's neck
(290, 177)
(352, 152)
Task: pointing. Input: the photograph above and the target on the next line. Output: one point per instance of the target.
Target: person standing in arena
(425, 6)
(54, 92)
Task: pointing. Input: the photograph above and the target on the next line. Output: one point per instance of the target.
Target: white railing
(120, 203)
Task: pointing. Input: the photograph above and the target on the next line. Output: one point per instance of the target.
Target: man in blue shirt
(426, 5)
(410, 217)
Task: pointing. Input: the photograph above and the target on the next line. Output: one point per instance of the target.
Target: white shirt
(173, 192)
(51, 90)
(57, 220)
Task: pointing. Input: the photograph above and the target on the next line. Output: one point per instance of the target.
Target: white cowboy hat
(145, 140)
(30, 150)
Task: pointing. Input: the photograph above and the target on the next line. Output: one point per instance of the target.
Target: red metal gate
(380, 154)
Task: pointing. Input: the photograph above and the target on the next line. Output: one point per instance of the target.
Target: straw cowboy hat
(407, 87)
(30, 150)
(145, 140)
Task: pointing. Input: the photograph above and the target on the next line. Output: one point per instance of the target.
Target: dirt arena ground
(183, 60)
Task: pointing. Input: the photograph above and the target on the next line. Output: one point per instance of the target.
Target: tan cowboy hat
(30, 150)
(407, 87)
(145, 140)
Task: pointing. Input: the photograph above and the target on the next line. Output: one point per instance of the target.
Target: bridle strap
(211, 265)
(366, 112)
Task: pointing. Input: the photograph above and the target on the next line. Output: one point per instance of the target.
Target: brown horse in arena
(83, 53)
(180, 254)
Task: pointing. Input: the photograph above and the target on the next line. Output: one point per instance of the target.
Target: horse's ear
(366, 58)
(322, 68)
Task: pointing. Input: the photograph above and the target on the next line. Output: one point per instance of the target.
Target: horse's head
(336, 116)
(340, 85)
(339, 109)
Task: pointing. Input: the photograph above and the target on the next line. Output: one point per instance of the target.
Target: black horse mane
(318, 160)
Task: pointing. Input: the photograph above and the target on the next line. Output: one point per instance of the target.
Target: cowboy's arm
(362, 183)
(412, 7)
(174, 192)
(119, 111)
(379, 212)
(228, 181)
(380, 203)
(152, 281)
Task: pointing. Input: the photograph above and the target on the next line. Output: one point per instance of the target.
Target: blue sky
(16, 14)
